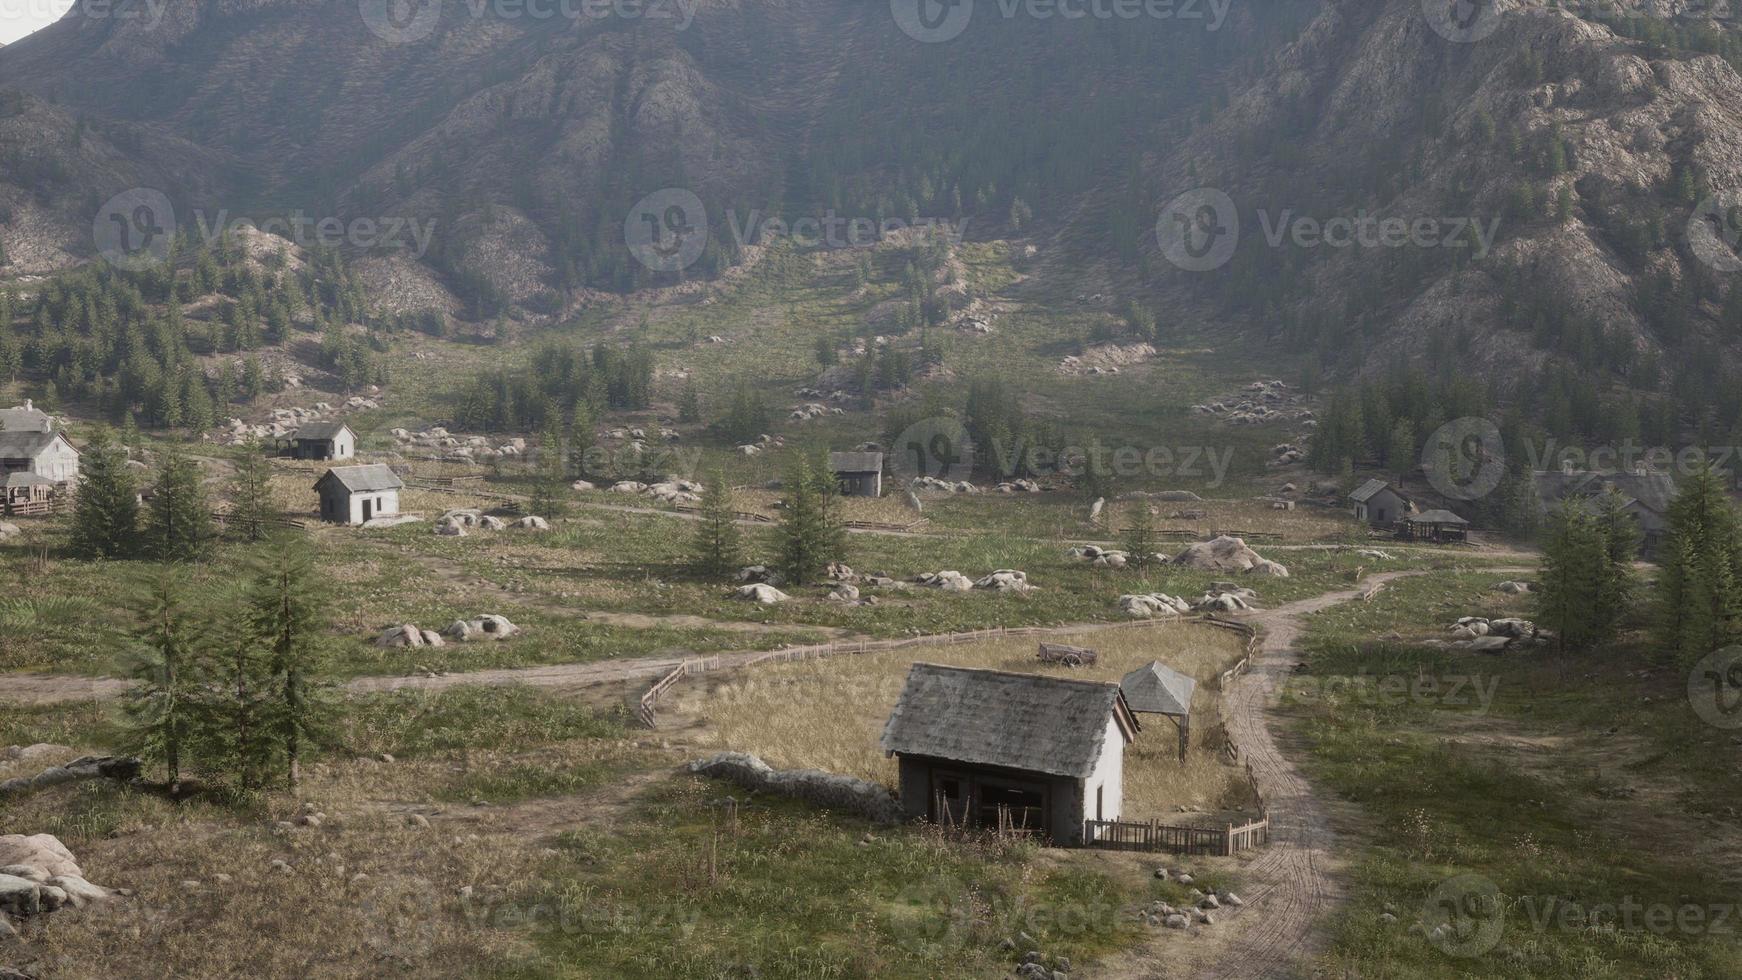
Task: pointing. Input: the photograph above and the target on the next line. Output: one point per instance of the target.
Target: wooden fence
(1119, 835)
(227, 520)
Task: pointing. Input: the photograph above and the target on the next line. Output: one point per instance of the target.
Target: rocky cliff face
(1546, 164)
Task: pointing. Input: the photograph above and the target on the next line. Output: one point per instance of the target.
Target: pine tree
(251, 501)
(581, 437)
(811, 536)
(718, 544)
(1573, 578)
(236, 710)
(284, 618)
(164, 707)
(106, 518)
(689, 405)
(178, 526)
(1699, 598)
(1140, 542)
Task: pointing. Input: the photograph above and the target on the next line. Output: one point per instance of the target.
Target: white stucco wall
(1108, 777)
(386, 504)
(59, 462)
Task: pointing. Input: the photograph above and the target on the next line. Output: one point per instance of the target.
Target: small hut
(1379, 504)
(330, 441)
(358, 494)
(858, 474)
(1438, 526)
(999, 750)
(1158, 689)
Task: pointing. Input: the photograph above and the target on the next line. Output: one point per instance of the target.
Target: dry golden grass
(828, 714)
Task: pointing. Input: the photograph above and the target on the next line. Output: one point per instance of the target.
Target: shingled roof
(1366, 491)
(320, 430)
(1655, 491)
(856, 462)
(27, 444)
(1030, 722)
(1437, 517)
(363, 479)
(25, 418)
(1159, 689)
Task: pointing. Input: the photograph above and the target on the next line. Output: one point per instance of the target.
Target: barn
(359, 494)
(858, 474)
(993, 749)
(327, 441)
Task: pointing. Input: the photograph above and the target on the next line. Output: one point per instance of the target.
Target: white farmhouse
(359, 494)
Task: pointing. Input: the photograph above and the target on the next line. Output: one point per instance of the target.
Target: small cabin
(356, 495)
(325, 441)
(1379, 504)
(27, 493)
(858, 474)
(1001, 751)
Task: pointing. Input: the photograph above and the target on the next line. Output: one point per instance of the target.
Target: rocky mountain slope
(1547, 163)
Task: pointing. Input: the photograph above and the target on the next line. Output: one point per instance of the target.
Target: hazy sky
(20, 17)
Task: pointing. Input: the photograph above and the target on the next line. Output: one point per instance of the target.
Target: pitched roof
(1368, 490)
(1159, 689)
(1436, 517)
(1652, 490)
(1030, 722)
(321, 430)
(24, 479)
(25, 420)
(363, 479)
(856, 462)
(28, 444)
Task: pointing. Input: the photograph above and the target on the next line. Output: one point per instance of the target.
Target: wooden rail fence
(1114, 834)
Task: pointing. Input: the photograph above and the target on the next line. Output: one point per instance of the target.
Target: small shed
(994, 749)
(331, 441)
(359, 494)
(1378, 503)
(858, 474)
(1158, 689)
(1440, 526)
(27, 493)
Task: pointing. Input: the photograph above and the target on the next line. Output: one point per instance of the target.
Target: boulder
(532, 524)
(1152, 605)
(1266, 568)
(43, 851)
(1514, 588)
(1489, 644)
(761, 575)
(766, 595)
(483, 628)
(845, 592)
(450, 530)
(1224, 554)
(582, 485)
(20, 896)
(431, 638)
(1005, 580)
(947, 581)
(488, 523)
(400, 636)
(78, 891)
(1519, 629)
(9, 530)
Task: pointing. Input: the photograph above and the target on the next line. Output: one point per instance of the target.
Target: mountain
(1547, 162)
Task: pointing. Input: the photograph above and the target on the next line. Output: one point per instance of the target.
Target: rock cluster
(936, 485)
(672, 490)
(122, 768)
(38, 875)
(1493, 635)
(1228, 554)
(1151, 605)
(486, 627)
(1108, 558)
(439, 439)
(858, 796)
(1261, 402)
(1225, 598)
(1106, 359)
(458, 523)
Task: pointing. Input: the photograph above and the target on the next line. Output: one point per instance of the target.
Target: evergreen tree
(689, 405)
(106, 518)
(1574, 579)
(581, 437)
(237, 711)
(164, 707)
(1699, 600)
(811, 536)
(251, 502)
(284, 618)
(718, 544)
(178, 526)
(1140, 541)
(547, 501)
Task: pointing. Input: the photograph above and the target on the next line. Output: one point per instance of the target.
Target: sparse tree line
(175, 525)
(556, 385)
(811, 535)
(233, 693)
(120, 340)
(1588, 586)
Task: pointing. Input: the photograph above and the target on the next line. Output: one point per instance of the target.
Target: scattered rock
(766, 595)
